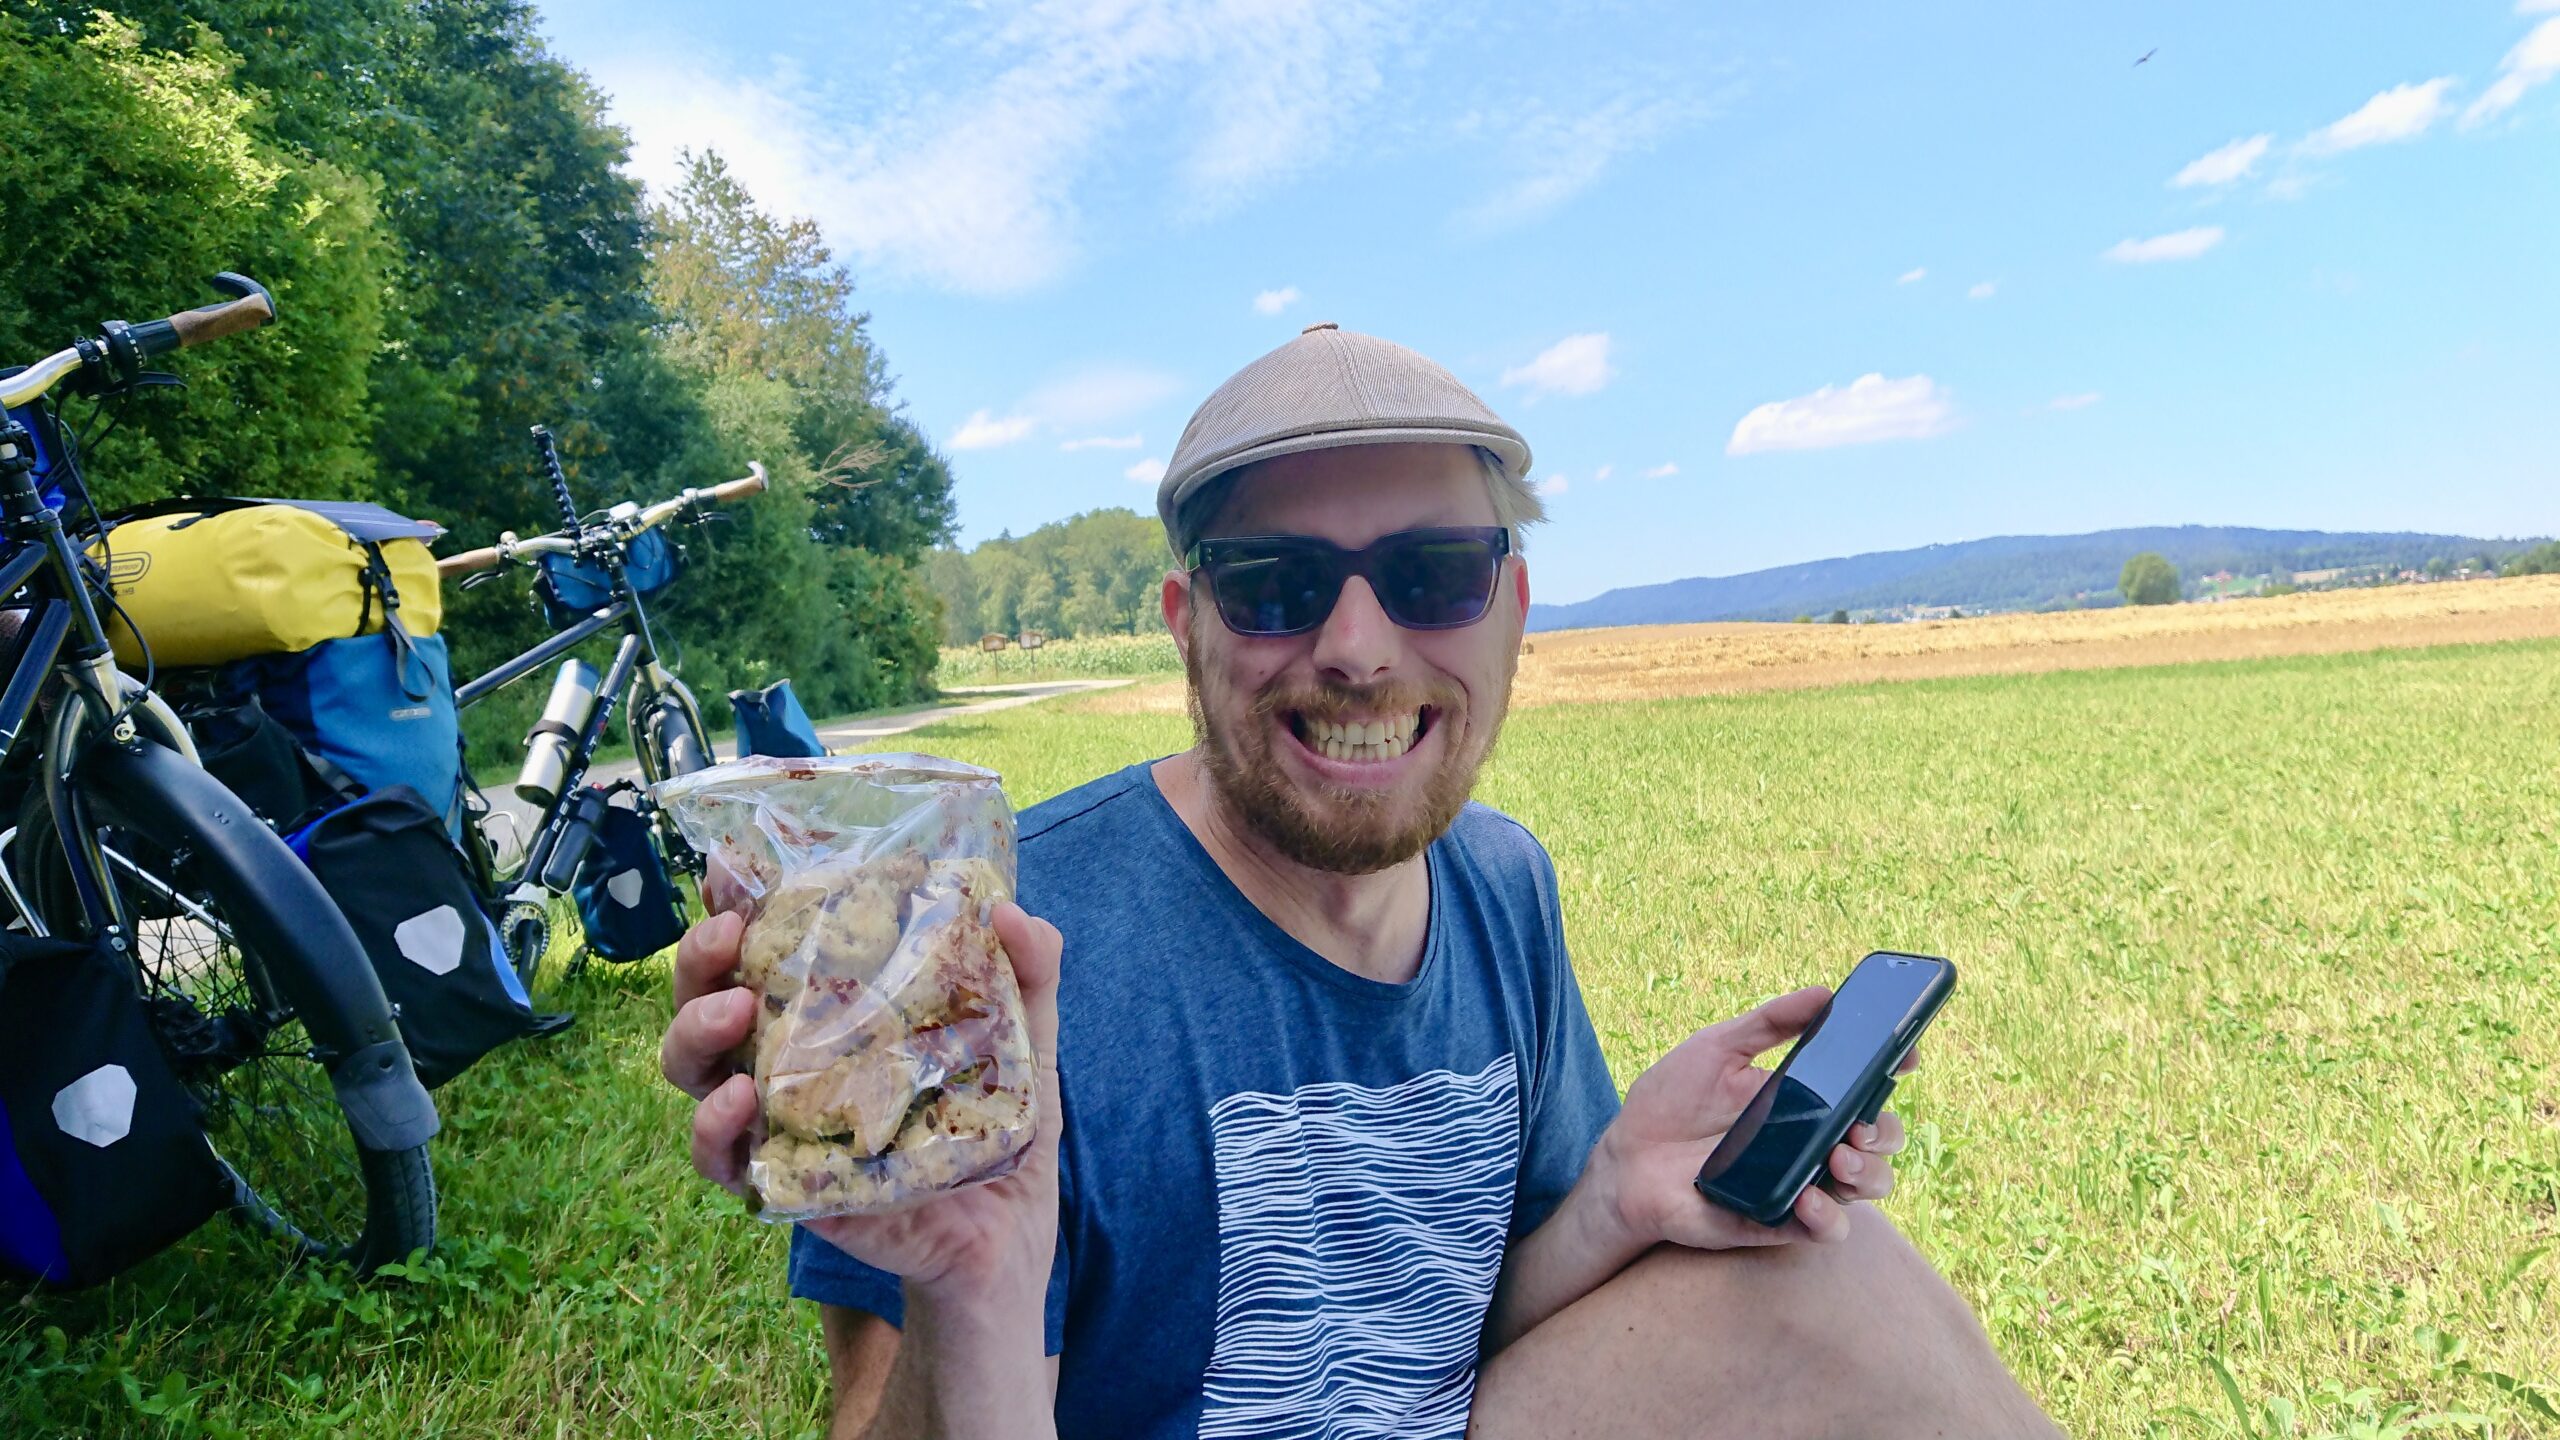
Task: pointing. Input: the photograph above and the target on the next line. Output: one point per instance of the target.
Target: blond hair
(1516, 503)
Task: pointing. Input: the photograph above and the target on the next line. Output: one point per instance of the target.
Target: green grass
(2245, 1118)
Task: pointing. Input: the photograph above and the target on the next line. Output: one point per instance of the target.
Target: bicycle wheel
(271, 1111)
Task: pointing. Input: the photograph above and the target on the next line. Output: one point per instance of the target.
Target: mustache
(1332, 702)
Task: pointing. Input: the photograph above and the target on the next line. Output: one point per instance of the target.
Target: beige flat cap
(1328, 387)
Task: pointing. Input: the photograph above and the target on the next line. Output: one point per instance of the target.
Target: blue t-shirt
(1287, 1189)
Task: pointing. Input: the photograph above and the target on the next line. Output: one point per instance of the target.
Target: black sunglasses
(1272, 585)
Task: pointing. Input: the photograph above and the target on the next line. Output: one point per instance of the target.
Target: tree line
(1091, 574)
(437, 205)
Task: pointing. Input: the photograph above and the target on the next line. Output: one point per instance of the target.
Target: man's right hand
(984, 1250)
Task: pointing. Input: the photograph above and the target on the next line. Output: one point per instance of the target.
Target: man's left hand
(1646, 1164)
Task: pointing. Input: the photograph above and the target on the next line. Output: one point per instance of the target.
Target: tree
(2438, 567)
(2541, 560)
(1839, 617)
(2149, 579)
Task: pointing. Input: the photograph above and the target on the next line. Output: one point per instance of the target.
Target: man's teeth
(1364, 739)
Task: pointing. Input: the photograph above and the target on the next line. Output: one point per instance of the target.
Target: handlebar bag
(103, 1160)
(406, 891)
(210, 580)
(572, 587)
(771, 722)
(626, 900)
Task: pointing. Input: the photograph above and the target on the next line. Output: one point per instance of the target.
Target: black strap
(552, 727)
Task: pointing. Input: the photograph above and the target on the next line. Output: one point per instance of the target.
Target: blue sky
(2300, 269)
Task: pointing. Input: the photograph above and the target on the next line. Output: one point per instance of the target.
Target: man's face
(1269, 710)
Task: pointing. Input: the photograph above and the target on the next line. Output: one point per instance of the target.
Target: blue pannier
(377, 708)
(626, 900)
(771, 722)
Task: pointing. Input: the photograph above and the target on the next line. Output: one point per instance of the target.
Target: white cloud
(1662, 471)
(1272, 302)
(1983, 291)
(2176, 245)
(2537, 7)
(1558, 157)
(2535, 60)
(1146, 472)
(1867, 409)
(970, 180)
(1574, 365)
(2081, 401)
(1105, 442)
(2232, 162)
(1553, 486)
(1603, 473)
(982, 431)
(1913, 275)
(2403, 112)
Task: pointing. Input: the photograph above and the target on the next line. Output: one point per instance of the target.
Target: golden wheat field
(1654, 662)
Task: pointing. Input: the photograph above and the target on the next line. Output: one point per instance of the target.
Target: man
(1327, 1144)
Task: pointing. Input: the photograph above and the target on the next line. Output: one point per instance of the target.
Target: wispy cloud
(1862, 412)
(2534, 61)
(2221, 167)
(2538, 7)
(2403, 112)
(1556, 157)
(1105, 442)
(1912, 276)
(1983, 291)
(1603, 473)
(1146, 472)
(2176, 245)
(1662, 471)
(2081, 401)
(1272, 302)
(1574, 365)
(972, 183)
(1099, 395)
(1553, 486)
(983, 431)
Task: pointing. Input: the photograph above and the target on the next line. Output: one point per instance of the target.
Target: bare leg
(1826, 1342)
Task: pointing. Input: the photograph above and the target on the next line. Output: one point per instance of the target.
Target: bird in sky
(2146, 55)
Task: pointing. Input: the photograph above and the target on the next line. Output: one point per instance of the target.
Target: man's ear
(1176, 601)
(1520, 582)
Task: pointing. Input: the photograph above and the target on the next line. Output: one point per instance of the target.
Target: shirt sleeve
(821, 1272)
(1571, 1096)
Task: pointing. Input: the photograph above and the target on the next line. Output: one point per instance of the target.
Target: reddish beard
(1339, 829)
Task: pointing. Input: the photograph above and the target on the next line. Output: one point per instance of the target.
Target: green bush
(2149, 579)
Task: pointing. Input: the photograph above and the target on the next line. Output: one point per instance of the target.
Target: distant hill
(2005, 572)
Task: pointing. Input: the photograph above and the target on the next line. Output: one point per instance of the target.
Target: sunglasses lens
(1436, 583)
(1275, 593)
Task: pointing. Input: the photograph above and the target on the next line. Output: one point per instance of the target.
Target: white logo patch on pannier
(625, 889)
(433, 941)
(97, 1107)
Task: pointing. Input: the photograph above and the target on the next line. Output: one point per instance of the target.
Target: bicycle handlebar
(119, 349)
(509, 548)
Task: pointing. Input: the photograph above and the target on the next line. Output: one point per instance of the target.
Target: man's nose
(1357, 642)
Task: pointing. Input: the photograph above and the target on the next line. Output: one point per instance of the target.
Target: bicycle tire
(206, 993)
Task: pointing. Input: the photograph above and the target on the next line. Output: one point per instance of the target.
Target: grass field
(2245, 1119)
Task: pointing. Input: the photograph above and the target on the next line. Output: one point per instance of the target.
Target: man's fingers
(1858, 1175)
(1885, 1137)
(1823, 1218)
(721, 1124)
(1772, 1024)
(694, 1054)
(1035, 949)
(707, 956)
(1910, 1061)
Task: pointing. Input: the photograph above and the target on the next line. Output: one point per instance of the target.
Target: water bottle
(577, 837)
(564, 718)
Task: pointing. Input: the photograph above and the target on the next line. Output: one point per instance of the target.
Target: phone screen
(1824, 1067)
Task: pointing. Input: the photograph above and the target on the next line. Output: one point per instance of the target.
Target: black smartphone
(1837, 1075)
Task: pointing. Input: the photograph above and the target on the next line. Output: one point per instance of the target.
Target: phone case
(1866, 1101)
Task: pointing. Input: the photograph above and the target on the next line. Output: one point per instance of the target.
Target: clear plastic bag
(891, 1057)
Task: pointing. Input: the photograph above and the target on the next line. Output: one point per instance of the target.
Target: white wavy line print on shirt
(1360, 1231)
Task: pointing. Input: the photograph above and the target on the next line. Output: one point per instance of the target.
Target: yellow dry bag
(209, 581)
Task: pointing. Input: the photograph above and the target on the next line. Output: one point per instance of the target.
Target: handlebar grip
(752, 483)
(484, 558)
(249, 308)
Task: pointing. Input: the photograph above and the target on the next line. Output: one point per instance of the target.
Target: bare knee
(1859, 1337)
